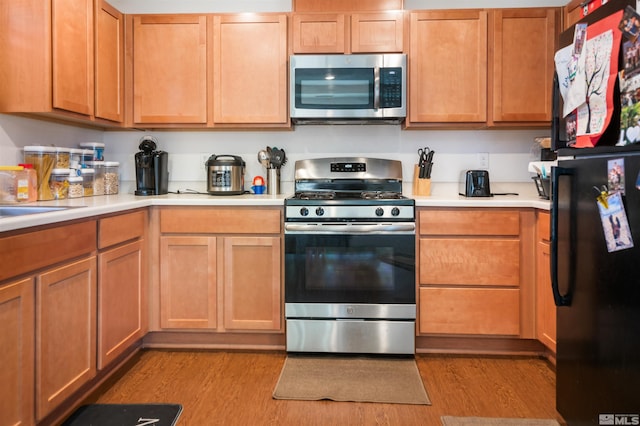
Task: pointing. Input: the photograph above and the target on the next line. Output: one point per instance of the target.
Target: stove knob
(319, 211)
(379, 211)
(304, 211)
(395, 211)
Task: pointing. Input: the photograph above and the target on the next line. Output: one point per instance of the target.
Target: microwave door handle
(376, 88)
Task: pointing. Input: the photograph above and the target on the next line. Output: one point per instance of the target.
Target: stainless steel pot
(225, 175)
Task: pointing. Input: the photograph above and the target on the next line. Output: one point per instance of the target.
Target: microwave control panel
(391, 87)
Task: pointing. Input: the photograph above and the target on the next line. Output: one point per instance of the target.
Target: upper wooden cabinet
(68, 65)
(481, 67)
(46, 57)
(250, 69)
(366, 32)
(208, 71)
(170, 71)
(448, 67)
(109, 63)
(522, 46)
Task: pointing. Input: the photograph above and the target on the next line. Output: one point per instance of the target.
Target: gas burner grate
(316, 195)
(380, 195)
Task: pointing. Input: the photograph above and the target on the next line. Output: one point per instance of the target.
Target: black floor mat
(125, 415)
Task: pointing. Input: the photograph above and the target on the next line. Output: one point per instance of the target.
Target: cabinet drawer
(544, 226)
(470, 311)
(34, 250)
(117, 229)
(469, 222)
(470, 261)
(219, 220)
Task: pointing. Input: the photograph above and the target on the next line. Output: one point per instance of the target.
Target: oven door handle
(349, 228)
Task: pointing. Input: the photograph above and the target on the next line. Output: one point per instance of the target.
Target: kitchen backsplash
(509, 151)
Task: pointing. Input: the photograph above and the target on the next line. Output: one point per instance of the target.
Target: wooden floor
(234, 388)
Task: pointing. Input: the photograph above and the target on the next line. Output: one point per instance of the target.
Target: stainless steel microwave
(347, 88)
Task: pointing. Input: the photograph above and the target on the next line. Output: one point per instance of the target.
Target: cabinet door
(546, 308)
(319, 33)
(188, 282)
(121, 296)
(72, 44)
(250, 69)
(377, 32)
(448, 67)
(521, 62)
(170, 69)
(109, 62)
(65, 332)
(252, 281)
(480, 311)
(17, 354)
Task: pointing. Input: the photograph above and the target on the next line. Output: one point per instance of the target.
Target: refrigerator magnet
(630, 24)
(615, 225)
(615, 175)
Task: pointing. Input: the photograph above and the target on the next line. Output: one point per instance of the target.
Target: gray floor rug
(487, 421)
(357, 379)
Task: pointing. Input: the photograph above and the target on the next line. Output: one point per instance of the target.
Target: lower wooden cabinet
(238, 277)
(188, 288)
(220, 269)
(475, 272)
(121, 296)
(545, 305)
(17, 354)
(65, 356)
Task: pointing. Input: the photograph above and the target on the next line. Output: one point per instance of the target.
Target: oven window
(349, 268)
(334, 88)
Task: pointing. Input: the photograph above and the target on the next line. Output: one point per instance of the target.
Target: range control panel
(348, 167)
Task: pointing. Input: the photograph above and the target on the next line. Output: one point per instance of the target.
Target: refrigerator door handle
(560, 299)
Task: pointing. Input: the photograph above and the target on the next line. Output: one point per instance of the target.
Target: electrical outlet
(483, 160)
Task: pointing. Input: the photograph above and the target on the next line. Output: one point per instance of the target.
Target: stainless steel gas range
(350, 258)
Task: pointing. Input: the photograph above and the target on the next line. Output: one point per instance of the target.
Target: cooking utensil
(277, 157)
(264, 158)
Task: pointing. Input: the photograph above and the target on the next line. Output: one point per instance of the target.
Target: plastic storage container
(76, 190)
(62, 157)
(59, 183)
(111, 177)
(87, 181)
(26, 184)
(97, 148)
(98, 177)
(43, 159)
(75, 158)
(87, 155)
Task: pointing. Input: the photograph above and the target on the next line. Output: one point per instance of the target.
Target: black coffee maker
(152, 173)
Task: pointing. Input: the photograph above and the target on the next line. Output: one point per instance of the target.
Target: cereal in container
(98, 177)
(62, 157)
(59, 183)
(87, 181)
(43, 159)
(111, 178)
(76, 190)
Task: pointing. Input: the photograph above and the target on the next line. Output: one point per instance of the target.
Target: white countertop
(442, 195)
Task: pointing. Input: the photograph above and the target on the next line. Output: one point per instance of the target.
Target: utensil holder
(543, 186)
(421, 186)
(273, 181)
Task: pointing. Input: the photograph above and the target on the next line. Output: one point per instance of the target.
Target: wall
(509, 151)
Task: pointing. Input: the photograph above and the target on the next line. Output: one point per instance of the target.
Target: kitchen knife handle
(560, 299)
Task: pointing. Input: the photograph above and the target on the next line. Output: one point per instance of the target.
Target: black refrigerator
(595, 265)
(597, 291)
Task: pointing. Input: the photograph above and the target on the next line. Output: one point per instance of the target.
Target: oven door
(350, 264)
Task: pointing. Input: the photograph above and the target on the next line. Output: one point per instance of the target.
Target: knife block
(421, 187)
